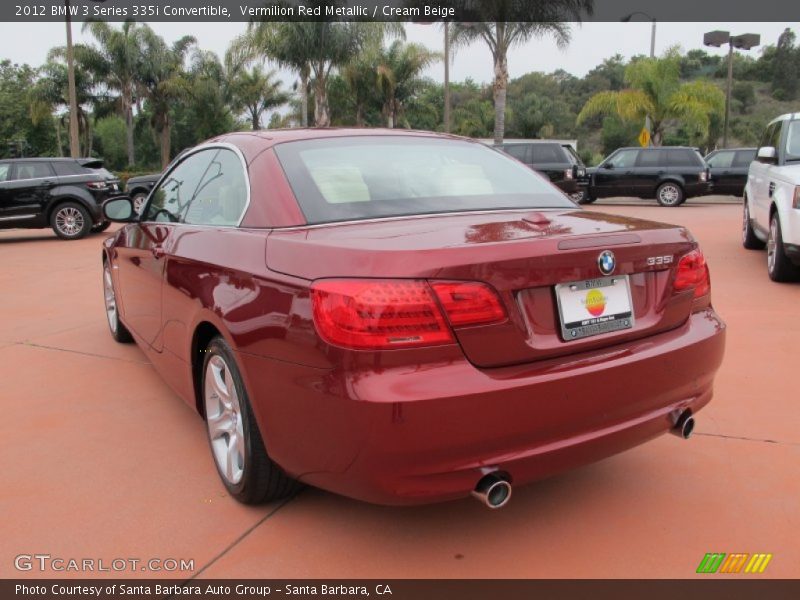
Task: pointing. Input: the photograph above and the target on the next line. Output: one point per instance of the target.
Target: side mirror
(767, 154)
(608, 165)
(119, 210)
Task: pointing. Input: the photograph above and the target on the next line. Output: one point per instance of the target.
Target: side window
(221, 197)
(33, 170)
(775, 138)
(623, 159)
(766, 139)
(650, 158)
(720, 160)
(744, 158)
(546, 153)
(518, 151)
(685, 158)
(5, 171)
(65, 168)
(170, 201)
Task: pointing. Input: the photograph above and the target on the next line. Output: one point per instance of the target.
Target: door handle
(158, 252)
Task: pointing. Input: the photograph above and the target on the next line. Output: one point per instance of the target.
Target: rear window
(351, 178)
(720, 160)
(572, 155)
(650, 158)
(547, 153)
(518, 151)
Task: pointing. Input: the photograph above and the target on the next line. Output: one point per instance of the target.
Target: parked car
(668, 174)
(405, 317)
(139, 187)
(772, 199)
(63, 193)
(728, 170)
(558, 162)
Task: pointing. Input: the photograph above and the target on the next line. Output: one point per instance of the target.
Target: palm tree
(398, 72)
(654, 90)
(255, 91)
(117, 62)
(164, 82)
(312, 49)
(543, 17)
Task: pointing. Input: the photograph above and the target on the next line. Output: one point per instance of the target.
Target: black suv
(729, 170)
(559, 162)
(61, 193)
(138, 188)
(668, 174)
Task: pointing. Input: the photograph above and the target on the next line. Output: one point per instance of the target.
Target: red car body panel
(421, 424)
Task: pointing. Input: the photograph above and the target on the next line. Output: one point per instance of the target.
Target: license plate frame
(577, 322)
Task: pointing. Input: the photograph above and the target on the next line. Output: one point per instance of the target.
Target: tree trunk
(304, 98)
(499, 88)
(657, 135)
(322, 116)
(129, 133)
(255, 118)
(166, 141)
(58, 138)
(359, 114)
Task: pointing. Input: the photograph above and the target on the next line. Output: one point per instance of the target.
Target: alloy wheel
(110, 298)
(772, 244)
(669, 194)
(745, 221)
(224, 419)
(69, 221)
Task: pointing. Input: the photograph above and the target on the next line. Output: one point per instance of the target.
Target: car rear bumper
(424, 434)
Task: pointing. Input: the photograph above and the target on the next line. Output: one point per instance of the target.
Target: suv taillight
(693, 274)
(568, 174)
(379, 314)
(704, 176)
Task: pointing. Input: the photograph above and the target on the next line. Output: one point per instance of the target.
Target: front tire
(779, 267)
(749, 239)
(118, 331)
(670, 194)
(101, 227)
(138, 201)
(71, 221)
(244, 466)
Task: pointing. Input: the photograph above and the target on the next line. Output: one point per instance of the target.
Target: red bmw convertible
(405, 317)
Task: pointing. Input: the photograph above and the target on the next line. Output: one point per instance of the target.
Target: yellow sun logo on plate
(595, 302)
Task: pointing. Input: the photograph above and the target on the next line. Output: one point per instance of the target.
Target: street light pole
(447, 77)
(744, 41)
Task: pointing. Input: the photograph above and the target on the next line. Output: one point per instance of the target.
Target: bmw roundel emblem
(607, 262)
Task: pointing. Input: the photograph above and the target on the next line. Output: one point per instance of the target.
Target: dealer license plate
(594, 306)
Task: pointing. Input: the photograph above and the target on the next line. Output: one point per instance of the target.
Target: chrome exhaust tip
(684, 425)
(493, 491)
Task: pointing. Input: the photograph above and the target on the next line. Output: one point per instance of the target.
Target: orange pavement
(101, 460)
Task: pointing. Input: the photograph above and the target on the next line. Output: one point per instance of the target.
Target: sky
(591, 44)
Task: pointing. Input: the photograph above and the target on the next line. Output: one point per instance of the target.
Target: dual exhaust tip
(494, 491)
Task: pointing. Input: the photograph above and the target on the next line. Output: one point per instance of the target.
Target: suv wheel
(779, 267)
(670, 194)
(236, 444)
(70, 221)
(138, 202)
(749, 239)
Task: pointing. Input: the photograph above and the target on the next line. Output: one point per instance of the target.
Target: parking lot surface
(101, 461)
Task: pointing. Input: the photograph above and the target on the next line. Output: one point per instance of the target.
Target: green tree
(787, 61)
(255, 91)
(547, 17)
(399, 76)
(655, 91)
(18, 130)
(165, 83)
(117, 63)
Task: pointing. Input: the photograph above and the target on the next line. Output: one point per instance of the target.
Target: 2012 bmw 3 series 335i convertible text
(405, 317)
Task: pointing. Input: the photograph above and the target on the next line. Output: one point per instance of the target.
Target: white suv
(772, 199)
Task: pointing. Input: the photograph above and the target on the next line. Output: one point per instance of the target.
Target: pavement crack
(239, 539)
(749, 439)
(92, 354)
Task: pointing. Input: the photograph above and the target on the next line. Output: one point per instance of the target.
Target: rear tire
(749, 238)
(71, 221)
(138, 201)
(244, 466)
(119, 332)
(670, 194)
(101, 227)
(583, 197)
(779, 267)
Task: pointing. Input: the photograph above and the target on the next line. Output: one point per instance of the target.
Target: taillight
(703, 176)
(568, 174)
(693, 274)
(796, 201)
(469, 303)
(379, 314)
